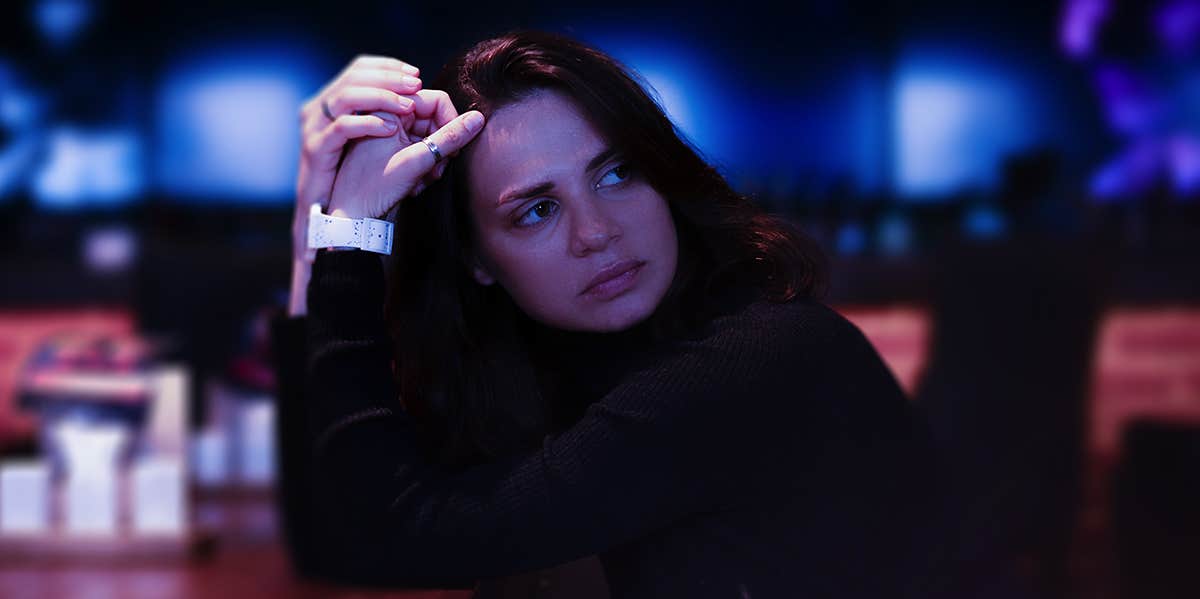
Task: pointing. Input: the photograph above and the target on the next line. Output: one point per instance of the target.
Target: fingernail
(405, 103)
(411, 70)
(473, 121)
(406, 80)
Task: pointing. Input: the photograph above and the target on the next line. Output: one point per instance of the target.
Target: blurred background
(1009, 195)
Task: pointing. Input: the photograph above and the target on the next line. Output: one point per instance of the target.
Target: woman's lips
(616, 285)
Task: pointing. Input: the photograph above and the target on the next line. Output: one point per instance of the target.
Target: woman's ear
(482, 276)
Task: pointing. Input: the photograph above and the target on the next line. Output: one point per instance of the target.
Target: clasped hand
(380, 115)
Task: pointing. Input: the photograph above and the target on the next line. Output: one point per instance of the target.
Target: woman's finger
(371, 61)
(434, 105)
(418, 159)
(351, 100)
(329, 142)
(395, 81)
(432, 110)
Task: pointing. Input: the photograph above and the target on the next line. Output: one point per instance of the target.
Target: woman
(588, 344)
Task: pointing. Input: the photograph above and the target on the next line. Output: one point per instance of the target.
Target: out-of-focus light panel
(682, 80)
(1183, 154)
(61, 21)
(84, 167)
(20, 111)
(227, 124)
(836, 131)
(954, 122)
(1078, 25)
(984, 222)
(110, 249)
(1177, 23)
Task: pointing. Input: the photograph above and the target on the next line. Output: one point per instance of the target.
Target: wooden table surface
(247, 560)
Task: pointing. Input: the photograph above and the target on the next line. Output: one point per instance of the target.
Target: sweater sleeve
(661, 446)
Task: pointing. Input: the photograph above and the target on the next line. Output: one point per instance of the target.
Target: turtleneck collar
(580, 367)
(589, 362)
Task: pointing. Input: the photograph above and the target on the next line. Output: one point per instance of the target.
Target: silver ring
(325, 109)
(437, 154)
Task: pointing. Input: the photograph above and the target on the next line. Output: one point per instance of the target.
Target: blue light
(1125, 175)
(851, 239)
(86, 167)
(20, 120)
(60, 21)
(227, 124)
(894, 235)
(984, 222)
(955, 121)
(681, 79)
(765, 137)
(866, 128)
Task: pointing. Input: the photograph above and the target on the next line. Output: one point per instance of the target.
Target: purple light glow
(1183, 156)
(1078, 25)
(1130, 106)
(1131, 172)
(1177, 23)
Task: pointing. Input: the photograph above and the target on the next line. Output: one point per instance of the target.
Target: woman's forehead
(530, 141)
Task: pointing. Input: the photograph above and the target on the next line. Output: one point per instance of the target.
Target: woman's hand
(328, 120)
(378, 172)
(367, 84)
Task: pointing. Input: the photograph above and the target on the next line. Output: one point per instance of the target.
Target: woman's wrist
(298, 295)
(346, 211)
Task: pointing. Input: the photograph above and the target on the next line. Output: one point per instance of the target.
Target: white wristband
(325, 231)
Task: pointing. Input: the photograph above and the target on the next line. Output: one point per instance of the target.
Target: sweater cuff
(346, 292)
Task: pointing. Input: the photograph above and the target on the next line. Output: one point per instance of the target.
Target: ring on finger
(325, 109)
(437, 154)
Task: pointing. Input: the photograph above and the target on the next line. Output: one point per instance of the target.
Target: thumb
(449, 139)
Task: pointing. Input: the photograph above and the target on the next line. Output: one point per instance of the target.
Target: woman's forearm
(297, 298)
(390, 509)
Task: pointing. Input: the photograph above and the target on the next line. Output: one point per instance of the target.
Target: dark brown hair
(462, 366)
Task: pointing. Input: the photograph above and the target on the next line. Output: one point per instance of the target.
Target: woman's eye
(542, 210)
(615, 175)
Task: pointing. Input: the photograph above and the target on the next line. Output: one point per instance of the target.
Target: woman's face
(553, 207)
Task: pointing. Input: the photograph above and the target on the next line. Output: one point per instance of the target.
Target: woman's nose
(593, 229)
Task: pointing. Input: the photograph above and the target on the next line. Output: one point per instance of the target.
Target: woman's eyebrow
(539, 188)
(520, 194)
(601, 158)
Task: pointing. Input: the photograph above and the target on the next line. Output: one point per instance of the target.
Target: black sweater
(772, 455)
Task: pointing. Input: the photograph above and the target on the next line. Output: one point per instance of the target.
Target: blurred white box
(166, 427)
(159, 496)
(210, 458)
(24, 497)
(92, 503)
(91, 452)
(256, 442)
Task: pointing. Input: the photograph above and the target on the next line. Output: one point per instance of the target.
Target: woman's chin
(617, 315)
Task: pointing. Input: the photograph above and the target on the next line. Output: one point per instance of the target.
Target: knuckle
(312, 144)
(338, 104)
(454, 134)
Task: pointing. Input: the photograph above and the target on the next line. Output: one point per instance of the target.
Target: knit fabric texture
(771, 455)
